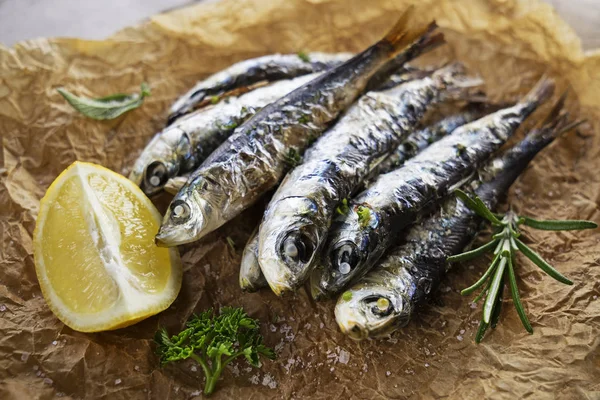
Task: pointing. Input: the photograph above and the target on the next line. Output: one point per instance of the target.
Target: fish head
(348, 252)
(290, 238)
(167, 155)
(192, 213)
(370, 311)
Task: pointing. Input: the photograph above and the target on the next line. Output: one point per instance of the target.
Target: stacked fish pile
(360, 206)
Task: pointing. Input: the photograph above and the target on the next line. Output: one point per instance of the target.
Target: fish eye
(156, 174)
(345, 257)
(180, 211)
(297, 247)
(380, 305)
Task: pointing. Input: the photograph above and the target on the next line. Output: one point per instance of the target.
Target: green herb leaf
(514, 290)
(553, 225)
(468, 255)
(540, 262)
(498, 306)
(303, 56)
(231, 243)
(477, 206)
(293, 158)
(343, 208)
(364, 216)
(213, 341)
(481, 331)
(108, 107)
(490, 300)
(483, 278)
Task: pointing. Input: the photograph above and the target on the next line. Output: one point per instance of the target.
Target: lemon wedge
(94, 250)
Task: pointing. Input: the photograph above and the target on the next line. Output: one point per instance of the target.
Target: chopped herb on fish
(303, 56)
(343, 207)
(364, 216)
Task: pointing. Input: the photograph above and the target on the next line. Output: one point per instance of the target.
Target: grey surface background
(97, 19)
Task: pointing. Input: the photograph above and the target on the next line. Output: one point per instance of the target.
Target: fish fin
(457, 85)
(174, 185)
(405, 31)
(540, 93)
(557, 122)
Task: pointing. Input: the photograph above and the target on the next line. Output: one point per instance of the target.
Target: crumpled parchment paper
(509, 43)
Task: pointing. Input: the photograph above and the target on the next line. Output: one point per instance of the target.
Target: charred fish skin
(418, 140)
(394, 200)
(257, 155)
(251, 276)
(245, 73)
(297, 219)
(184, 145)
(386, 298)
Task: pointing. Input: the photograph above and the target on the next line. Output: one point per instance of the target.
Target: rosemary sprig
(504, 244)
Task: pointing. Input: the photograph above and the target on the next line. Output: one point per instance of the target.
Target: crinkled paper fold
(509, 43)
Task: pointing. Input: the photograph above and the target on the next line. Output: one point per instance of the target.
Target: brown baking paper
(509, 43)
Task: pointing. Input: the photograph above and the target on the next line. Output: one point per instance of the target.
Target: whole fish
(297, 219)
(386, 298)
(245, 73)
(394, 200)
(251, 277)
(184, 145)
(256, 157)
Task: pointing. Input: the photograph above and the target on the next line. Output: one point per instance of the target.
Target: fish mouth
(368, 313)
(184, 222)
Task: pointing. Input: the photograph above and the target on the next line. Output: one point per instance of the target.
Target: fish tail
(406, 31)
(558, 122)
(540, 93)
(555, 124)
(454, 83)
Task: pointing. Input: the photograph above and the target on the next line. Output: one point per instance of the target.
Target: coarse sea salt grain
(118, 381)
(387, 373)
(269, 381)
(344, 357)
(459, 338)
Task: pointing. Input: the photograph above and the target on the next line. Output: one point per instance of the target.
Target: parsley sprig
(213, 341)
(504, 245)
